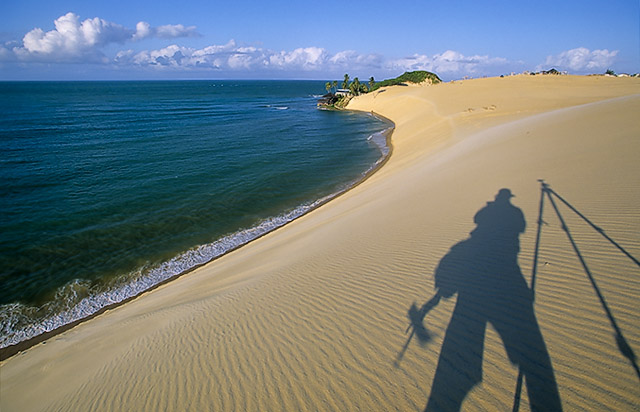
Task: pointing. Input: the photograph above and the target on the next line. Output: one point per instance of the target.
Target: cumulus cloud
(582, 59)
(448, 62)
(228, 56)
(231, 57)
(168, 31)
(75, 40)
(71, 38)
(143, 30)
(172, 31)
(308, 58)
(352, 60)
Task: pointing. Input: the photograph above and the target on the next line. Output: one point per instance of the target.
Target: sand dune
(313, 316)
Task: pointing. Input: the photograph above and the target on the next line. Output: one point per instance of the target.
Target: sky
(323, 40)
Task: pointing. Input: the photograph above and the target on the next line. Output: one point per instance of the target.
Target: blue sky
(115, 39)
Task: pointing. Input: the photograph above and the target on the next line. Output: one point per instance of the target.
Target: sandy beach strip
(314, 315)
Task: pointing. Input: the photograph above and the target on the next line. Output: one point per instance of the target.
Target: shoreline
(11, 350)
(313, 316)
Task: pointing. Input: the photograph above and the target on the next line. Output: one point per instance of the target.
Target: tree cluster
(354, 86)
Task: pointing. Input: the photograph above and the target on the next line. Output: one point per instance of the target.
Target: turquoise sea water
(109, 188)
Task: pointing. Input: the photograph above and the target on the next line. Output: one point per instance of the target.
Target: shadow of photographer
(483, 271)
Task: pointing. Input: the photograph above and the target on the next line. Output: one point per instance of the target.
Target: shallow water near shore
(112, 187)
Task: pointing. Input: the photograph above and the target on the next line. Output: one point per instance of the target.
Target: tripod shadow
(483, 270)
(623, 345)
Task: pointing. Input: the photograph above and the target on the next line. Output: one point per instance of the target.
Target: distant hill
(418, 76)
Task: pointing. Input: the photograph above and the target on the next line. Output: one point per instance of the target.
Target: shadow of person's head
(504, 196)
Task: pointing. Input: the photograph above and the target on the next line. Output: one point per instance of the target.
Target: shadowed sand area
(314, 316)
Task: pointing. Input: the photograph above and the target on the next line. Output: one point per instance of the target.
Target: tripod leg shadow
(623, 345)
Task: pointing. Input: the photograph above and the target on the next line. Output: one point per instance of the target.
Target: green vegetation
(340, 99)
(345, 82)
(357, 88)
(418, 76)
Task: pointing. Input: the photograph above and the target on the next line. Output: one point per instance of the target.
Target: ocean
(109, 188)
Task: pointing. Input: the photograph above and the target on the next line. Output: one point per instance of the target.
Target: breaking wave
(78, 299)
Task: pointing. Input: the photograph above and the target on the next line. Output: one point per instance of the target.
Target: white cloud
(168, 31)
(227, 56)
(450, 62)
(143, 30)
(233, 58)
(172, 31)
(73, 40)
(350, 60)
(76, 41)
(582, 59)
(308, 58)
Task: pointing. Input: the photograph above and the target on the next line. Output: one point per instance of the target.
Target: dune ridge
(313, 316)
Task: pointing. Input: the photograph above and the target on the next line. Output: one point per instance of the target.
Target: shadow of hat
(504, 194)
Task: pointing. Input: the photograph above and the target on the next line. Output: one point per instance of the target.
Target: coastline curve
(168, 271)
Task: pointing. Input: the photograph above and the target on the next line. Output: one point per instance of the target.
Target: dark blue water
(108, 188)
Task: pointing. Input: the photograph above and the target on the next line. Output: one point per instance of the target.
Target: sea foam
(17, 320)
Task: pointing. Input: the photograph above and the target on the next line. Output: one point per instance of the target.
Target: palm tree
(355, 86)
(372, 82)
(335, 85)
(328, 86)
(345, 83)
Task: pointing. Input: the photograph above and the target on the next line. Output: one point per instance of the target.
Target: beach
(314, 316)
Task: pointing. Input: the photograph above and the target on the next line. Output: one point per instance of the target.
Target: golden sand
(314, 316)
